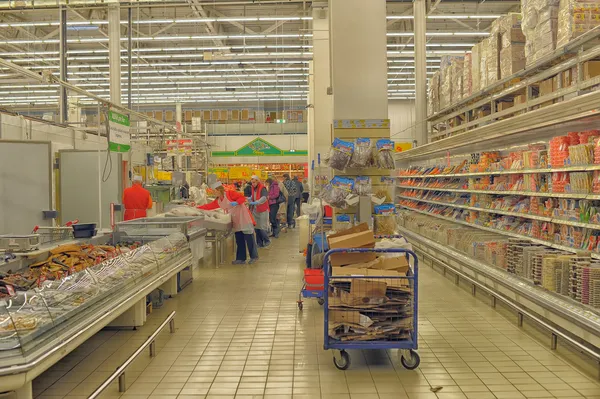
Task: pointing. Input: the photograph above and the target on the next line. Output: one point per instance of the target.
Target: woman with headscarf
(260, 210)
(232, 202)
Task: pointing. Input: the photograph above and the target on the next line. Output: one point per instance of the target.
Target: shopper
(233, 203)
(306, 191)
(274, 202)
(259, 205)
(248, 189)
(300, 190)
(137, 200)
(292, 194)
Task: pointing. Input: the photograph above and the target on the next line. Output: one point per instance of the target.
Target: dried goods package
(576, 17)
(456, 78)
(476, 68)
(540, 26)
(467, 79)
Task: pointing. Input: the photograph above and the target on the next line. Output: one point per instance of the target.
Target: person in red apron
(137, 200)
(233, 203)
(260, 212)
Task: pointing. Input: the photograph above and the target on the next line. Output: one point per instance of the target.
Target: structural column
(359, 59)
(114, 52)
(321, 102)
(179, 126)
(63, 112)
(420, 23)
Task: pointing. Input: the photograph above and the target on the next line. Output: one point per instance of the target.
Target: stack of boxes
(476, 67)
(512, 45)
(540, 26)
(576, 17)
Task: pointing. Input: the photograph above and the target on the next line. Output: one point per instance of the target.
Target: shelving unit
(455, 133)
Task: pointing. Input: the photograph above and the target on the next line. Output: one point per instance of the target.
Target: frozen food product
(576, 17)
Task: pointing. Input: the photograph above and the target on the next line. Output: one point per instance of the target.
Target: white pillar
(358, 59)
(179, 126)
(321, 77)
(420, 22)
(310, 117)
(114, 52)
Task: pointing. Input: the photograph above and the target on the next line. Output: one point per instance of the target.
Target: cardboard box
(591, 69)
(504, 105)
(522, 99)
(356, 237)
(483, 113)
(398, 264)
(547, 87)
(476, 68)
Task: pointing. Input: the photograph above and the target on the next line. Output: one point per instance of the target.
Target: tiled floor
(240, 334)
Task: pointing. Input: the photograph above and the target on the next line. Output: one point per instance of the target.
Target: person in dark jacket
(292, 193)
(274, 192)
(298, 199)
(248, 190)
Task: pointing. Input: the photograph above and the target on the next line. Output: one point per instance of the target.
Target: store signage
(259, 148)
(118, 136)
(221, 173)
(240, 173)
(399, 146)
(179, 147)
(361, 124)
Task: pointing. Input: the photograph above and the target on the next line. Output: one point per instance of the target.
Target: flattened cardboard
(368, 289)
(351, 258)
(356, 240)
(399, 264)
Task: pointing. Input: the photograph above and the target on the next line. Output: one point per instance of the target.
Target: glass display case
(160, 227)
(32, 320)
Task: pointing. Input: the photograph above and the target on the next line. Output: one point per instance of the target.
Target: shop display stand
(455, 133)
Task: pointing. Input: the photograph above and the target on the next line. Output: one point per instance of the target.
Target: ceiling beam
(201, 13)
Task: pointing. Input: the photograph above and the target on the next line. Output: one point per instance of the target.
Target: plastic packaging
(363, 154)
(340, 154)
(336, 192)
(385, 159)
(385, 219)
(362, 185)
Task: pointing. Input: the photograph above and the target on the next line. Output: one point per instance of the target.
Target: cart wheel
(300, 306)
(412, 362)
(344, 362)
(321, 301)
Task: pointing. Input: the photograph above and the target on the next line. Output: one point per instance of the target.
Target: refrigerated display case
(40, 326)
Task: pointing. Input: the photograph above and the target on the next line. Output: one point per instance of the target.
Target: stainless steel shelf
(581, 168)
(508, 213)
(520, 193)
(502, 232)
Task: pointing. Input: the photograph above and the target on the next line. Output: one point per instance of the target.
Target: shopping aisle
(240, 334)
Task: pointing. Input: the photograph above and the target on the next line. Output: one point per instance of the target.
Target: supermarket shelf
(584, 42)
(508, 213)
(502, 232)
(573, 318)
(582, 168)
(578, 113)
(506, 192)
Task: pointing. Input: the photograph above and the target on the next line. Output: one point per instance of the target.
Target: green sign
(258, 148)
(118, 136)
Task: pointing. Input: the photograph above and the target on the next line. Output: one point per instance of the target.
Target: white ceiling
(259, 50)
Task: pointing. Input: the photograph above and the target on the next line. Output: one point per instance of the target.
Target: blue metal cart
(409, 357)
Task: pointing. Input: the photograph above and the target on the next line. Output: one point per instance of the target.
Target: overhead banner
(221, 173)
(399, 147)
(259, 148)
(239, 173)
(119, 136)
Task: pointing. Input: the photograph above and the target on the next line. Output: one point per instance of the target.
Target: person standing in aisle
(137, 200)
(300, 190)
(306, 191)
(274, 201)
(248, 189)
(232, 202)
(292, 194)
(260, 210)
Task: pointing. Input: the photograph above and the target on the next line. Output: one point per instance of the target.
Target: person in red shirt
(137, 200)
(233, 203)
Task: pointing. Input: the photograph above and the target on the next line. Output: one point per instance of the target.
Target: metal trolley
(402, 290)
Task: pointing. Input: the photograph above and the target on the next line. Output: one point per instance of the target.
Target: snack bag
(340, 154)
(336, 192)
(385, 159)
(363, 154)
(385, 220)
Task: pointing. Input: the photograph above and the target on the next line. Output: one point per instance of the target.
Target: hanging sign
(221, 173)
(361, 123)
(399, 147)
(118, 136)
(240, 173)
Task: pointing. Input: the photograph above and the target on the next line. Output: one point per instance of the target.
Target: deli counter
(42, 324)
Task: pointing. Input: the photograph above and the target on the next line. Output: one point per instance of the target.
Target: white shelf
(509, 213)
(506, 233)
(582, 168)
(520, 193)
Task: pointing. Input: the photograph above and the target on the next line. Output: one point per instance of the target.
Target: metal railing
(521, 312)
(120, 371)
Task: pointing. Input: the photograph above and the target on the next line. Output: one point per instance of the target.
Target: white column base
(25, 392)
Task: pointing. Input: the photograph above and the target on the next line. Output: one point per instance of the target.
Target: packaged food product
(340, 154)
(385, 159)
(336, 192)
(385, 219)
(363, 154)
(362, 185)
